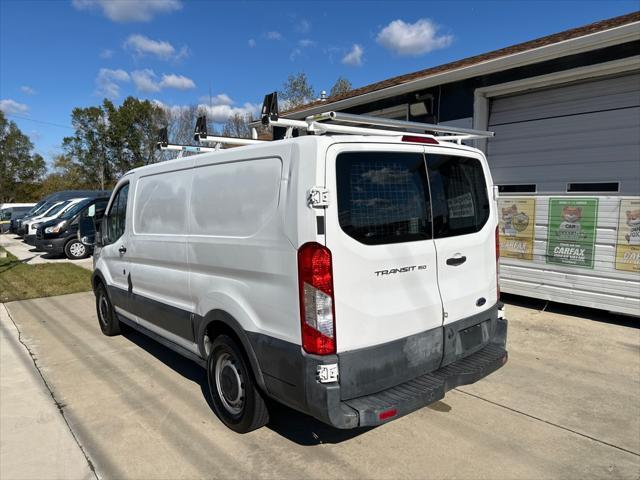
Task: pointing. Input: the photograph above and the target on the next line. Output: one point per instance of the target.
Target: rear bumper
(384, 379)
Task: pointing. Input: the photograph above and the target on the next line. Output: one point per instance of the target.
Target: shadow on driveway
(291, 424)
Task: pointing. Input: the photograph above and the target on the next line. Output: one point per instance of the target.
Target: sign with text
(628, 236)
(571, 233)
(517, 227)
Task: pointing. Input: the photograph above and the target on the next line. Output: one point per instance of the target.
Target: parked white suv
(353, 278)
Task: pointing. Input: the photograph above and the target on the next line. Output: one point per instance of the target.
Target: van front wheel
(234, 393)
(76, 250)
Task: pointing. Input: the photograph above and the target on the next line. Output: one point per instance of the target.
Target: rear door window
(459, 195)
(383, 197)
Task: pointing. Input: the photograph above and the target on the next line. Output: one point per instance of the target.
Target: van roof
(321, 141)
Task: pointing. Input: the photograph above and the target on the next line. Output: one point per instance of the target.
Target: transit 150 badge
(517, 227)
(571, 234)
(628, 236)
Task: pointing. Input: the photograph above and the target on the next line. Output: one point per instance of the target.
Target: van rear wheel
(234, 393)
(107, 318)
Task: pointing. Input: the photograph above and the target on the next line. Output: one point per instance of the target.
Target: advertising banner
(517, 227)
(571, 234)
(628, 236)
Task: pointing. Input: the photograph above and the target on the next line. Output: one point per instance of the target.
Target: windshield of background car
(56, 209)
(73, 210)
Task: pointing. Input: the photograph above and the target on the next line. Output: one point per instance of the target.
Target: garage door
(575, 140)
(580, 133)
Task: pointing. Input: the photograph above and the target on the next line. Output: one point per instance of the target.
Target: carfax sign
(517, 226)
(628, 241)
(571, 234)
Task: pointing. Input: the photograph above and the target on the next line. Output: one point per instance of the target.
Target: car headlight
(35, 226)
(55, 228)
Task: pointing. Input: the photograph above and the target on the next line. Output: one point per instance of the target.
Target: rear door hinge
(318, 197)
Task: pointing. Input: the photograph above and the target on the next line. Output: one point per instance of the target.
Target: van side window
(459, 195)
(116, 218)
(383, 197)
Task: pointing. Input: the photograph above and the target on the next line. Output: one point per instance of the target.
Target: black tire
(76, 250)
(236, 398)
(107, 318)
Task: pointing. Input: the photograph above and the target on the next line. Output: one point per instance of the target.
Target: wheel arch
(217, 322)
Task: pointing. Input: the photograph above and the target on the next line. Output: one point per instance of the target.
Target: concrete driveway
(567, 405)
(27, 253)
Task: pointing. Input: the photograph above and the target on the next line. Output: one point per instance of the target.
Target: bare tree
(297, 91)
(341, 86)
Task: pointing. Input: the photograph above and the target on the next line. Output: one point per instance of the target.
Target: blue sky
(56, 55)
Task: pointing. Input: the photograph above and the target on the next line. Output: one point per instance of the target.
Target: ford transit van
(352, 278)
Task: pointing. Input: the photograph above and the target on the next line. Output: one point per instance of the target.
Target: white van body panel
(464, 286)
(374, 308)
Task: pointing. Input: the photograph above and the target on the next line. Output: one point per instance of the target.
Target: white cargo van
(350, 277)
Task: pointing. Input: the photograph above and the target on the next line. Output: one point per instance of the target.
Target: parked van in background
(12, 211)
(353, 278)
(59, 208)
(60, 235)
(49, 200)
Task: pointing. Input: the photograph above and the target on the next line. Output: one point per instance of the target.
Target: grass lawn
(19, 281)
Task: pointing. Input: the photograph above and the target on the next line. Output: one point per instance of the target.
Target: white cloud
(219, 99)
(142, 46)
(252, 43)
(217, 113)
(412, 38)
(26, 89)
(106, 53)
(302, 44)
(303, 26)
(221, 113)
(146, 81)
(305, 43)
(108, 82)
(179, 82)
(128, 10)
(9, 106)
(274, 35)
(354, 56)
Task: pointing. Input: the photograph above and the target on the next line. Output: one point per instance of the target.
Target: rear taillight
(315, 278)
(498, 261)
(416, 139)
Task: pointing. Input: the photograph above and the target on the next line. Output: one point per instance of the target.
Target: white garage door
(581, 133)
(580, 139)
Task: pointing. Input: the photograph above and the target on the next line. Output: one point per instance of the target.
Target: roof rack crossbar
(400, 124)
(362, 124)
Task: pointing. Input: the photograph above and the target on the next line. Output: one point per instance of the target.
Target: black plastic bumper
(421, 391)
(325, 402)
(54, 246)
(30, 239)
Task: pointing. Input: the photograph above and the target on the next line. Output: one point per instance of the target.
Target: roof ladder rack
(200, 134)
(163, 144)
(347, 123)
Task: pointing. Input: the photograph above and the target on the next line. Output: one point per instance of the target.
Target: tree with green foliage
(20, 168)
(341, 86)
(110, 140)
(296, 91)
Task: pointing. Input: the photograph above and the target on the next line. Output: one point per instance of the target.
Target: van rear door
(379, 232)
(464, 235)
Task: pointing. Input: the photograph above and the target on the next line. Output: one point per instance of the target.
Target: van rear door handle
(123, 249)
(456, 260)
